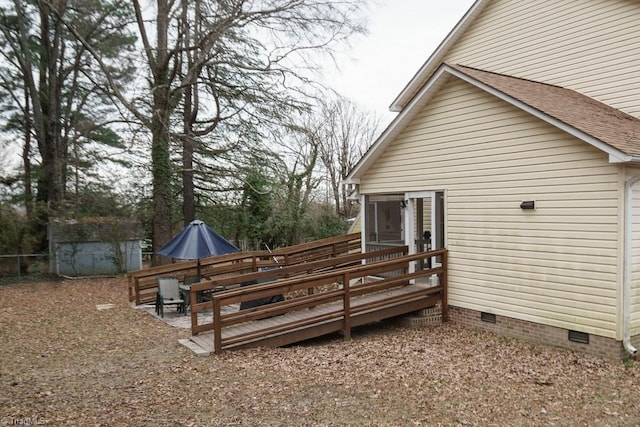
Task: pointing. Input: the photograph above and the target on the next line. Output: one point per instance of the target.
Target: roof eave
(349, 180)
(396, 126)
(624, 158)
(432, 85)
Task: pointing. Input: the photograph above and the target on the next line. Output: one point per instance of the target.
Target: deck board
(389, 303)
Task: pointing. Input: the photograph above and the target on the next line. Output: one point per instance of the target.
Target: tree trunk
(160, 158)
(188, 187)
(161, 171)
(49, 91)
(26, 158)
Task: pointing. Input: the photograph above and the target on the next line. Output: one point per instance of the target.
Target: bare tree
(344, 132)
(233, 68)
(252, 77)
(296, 166)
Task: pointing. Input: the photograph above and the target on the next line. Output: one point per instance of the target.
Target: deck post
(217, 326)
(132, 296)
(444, 300)
(136, 284)
(346, 288)
(193, 299)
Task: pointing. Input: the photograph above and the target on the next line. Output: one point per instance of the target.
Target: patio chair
(168, 294)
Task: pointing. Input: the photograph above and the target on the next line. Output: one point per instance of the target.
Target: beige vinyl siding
(591, 46)
(556, 265)
(356, 225)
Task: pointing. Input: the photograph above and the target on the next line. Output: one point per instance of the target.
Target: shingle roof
(598, 124)
(601, 121)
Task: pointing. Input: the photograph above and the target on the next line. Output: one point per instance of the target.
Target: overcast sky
(402, 35)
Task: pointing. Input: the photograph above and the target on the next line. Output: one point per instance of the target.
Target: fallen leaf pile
(63, 361)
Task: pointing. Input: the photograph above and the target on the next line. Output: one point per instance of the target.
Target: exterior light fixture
(528, 204)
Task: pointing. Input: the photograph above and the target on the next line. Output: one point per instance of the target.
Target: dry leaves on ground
(65, 362)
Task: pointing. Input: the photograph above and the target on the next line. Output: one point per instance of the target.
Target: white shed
(94, 246)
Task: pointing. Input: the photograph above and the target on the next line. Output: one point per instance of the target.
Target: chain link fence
(23, 264)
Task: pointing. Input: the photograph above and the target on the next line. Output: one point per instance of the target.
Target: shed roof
(99, 229)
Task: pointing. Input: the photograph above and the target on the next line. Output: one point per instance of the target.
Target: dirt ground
(64, 362)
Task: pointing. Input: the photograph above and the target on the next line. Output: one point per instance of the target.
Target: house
(517, 147)
(94, 246)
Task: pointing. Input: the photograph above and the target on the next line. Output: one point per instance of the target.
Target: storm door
(425, 218)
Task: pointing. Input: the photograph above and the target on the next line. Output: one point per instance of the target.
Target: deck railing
(352, 282)
(143, 283)
(306, 269)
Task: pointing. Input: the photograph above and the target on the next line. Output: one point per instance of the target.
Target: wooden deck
(364, 309)
(324, 302)
(143, 283)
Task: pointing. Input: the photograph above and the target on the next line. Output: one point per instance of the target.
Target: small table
(185, 293)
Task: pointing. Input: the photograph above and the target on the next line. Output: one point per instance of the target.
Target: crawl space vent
(580, 337)
(488, 317)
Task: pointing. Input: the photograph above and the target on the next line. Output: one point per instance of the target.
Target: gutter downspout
(363, 224)
(626, 288)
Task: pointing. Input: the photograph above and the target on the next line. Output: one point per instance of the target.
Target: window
(384, 219)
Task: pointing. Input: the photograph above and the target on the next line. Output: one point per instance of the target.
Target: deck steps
(427, 317)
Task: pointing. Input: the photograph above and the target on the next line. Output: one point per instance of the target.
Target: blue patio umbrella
(197, 241)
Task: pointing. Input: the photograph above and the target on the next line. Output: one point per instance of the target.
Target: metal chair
(169, 294)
